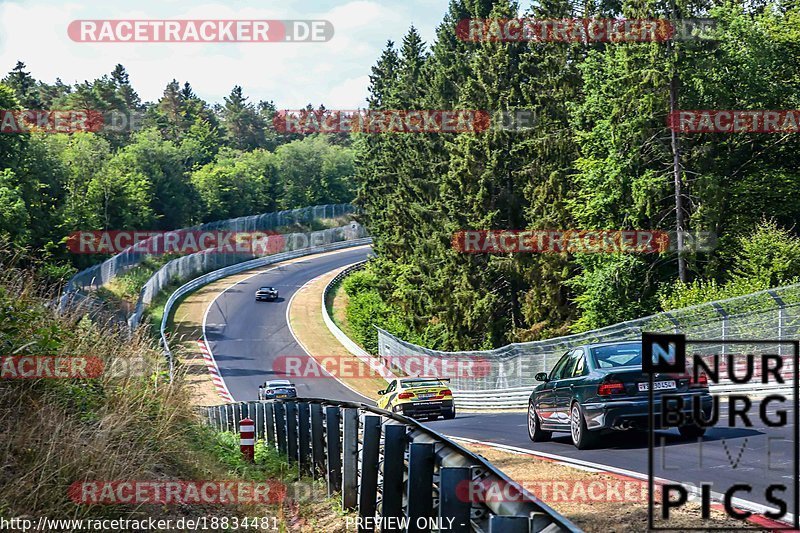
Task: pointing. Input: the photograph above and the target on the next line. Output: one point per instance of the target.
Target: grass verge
(129, 424)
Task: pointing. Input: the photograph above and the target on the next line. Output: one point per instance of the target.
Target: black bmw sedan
(598, 388)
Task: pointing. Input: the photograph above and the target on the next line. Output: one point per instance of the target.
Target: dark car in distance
(277, 388)
(598, 388)
(266, 294)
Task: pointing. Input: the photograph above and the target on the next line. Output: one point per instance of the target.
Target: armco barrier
(98, 275)
(387, 465)
(350, 345)
(191, 265)
(772, 314)
(235, 269)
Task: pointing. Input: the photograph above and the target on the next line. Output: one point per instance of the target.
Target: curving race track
(246, 337)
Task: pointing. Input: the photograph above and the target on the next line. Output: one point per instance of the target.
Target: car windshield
(422, 383)
(266, 288)
(279, 384)
(618, 355)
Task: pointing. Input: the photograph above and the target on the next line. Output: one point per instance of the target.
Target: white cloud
(291, 74)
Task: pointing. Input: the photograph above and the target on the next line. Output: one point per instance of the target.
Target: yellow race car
(419, 397)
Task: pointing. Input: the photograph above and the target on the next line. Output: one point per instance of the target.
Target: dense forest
(183, 161)
(600, 156)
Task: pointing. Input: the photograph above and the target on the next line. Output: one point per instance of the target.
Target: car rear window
(618, 355)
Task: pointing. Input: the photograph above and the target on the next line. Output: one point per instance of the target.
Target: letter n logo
(663, 353)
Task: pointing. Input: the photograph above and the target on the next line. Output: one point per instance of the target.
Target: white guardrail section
(773, 315)
(189, 266)
(350, 345)
(241, 267)
(464, 399)
(769, 315)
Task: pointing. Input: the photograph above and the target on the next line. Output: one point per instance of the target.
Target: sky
(333, 73)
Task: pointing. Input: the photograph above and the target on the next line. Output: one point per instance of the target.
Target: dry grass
(305, 317)
(123, 426)
(592, 516)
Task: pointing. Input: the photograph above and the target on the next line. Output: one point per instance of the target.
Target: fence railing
(99, 275)
(189, 266)
(387, 465)
(349, 344)
(772, 314)
(241, 267)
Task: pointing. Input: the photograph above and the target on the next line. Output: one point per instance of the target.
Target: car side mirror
(541, 376)
(381, 392)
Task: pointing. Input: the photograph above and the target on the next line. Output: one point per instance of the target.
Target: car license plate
(658, 385)
(426, 395)
(281, 396)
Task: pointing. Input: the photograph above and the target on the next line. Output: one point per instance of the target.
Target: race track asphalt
(246, 337)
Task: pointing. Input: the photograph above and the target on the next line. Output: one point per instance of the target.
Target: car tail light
(270, 391)
(446, 392)
(702, 380)
(610, 387)
(405, 395)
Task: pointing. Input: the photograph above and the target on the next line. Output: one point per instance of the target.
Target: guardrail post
(333, 442)
(269, 422)
(781, 306)
(394, 450)
(258, 409)
(317, 440)
(350, 459)
(304, 432)
(368, 489)
(217, 417)
(237, 415)
(452, 501)
(280, 427)
(509, 524)
(419, 492)
(724, 314)
(230, 418)
(291, 430)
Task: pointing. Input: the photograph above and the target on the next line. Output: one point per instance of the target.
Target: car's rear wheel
(582, 438)
(692, 431)
(535, 431)
(450, 413)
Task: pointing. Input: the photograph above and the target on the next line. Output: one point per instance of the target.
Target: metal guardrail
(349, 344)
(188, 266)
(772, 314)
(98, 275)
(235, 269)
(387, 465)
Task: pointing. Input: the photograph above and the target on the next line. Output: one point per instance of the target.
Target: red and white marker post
(247, 442)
